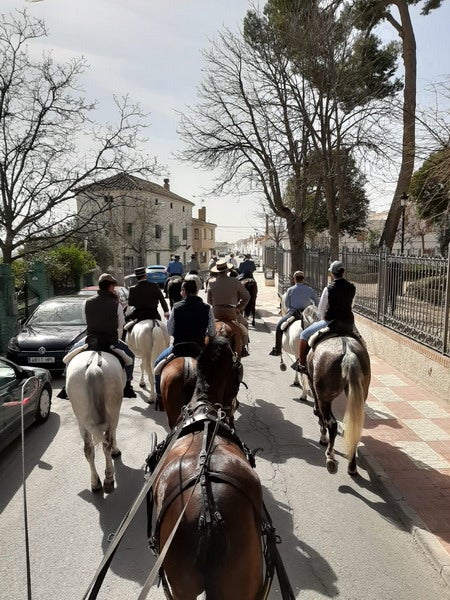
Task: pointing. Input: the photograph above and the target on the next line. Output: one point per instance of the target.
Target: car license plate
(41, 359)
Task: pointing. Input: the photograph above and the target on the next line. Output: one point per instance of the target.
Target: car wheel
(43, 405)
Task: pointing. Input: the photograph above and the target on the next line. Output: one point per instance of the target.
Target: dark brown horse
(178, 380)
(174, 289)
(252, 288)
(217, 547)
(340, 364)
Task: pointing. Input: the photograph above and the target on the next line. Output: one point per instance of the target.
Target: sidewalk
(405, 445)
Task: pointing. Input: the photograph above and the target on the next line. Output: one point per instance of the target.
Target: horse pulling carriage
(212, 531)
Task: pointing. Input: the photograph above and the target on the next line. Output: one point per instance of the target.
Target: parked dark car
(46, 335)
(37, 409)
(157, 274)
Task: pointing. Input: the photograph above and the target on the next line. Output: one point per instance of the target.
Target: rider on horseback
(335, 304)
(145, 297)
(104, 324)
(228, 297)
(298, 297)
(193, 264)
(190, 322)
(175, 267)
(247, 267)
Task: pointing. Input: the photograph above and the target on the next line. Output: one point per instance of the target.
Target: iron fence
(408, 294)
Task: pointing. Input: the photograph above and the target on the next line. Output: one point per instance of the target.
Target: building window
(158, 231)
(184, 209)
(156, 202)
(108, 199)
(196, 234)
(204, 234)
(184, 233)
(211, 236)
(129, 229)
(158, 258)
(171, 205)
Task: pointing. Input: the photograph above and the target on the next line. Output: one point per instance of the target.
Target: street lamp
(403, 201)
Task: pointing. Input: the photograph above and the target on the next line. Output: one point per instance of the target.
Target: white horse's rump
(147, 340)
(95, 382)
(290, 340)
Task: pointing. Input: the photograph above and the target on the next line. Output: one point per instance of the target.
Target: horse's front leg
(89, 453)
(108, 440)
(147, 365)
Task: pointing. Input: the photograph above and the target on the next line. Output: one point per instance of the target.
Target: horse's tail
(97, 420)
(352, 372)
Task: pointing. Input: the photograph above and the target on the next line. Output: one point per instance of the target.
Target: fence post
(446, 305)
(8, 306)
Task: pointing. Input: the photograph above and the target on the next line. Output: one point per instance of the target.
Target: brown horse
(233, 333)
(340, 364)
(217, 547)
(252, 288)
(178, 379)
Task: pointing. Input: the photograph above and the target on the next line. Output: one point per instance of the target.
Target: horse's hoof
(332, 466)
(149, 400)
(142, 385)
(116, 453)
(97, 487)
(283, 367)
(108, 487)
(352, 472)
(323, 442)
(296, 384)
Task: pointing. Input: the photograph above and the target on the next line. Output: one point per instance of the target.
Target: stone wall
(421, 364)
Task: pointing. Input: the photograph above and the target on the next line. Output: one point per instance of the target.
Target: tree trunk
(296, 232)
(409, 115)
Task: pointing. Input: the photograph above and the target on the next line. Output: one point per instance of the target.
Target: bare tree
(44, 120)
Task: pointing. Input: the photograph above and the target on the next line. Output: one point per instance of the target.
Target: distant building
(203, 239)
(145, 222)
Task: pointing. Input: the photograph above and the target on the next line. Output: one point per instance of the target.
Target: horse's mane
(209, 363)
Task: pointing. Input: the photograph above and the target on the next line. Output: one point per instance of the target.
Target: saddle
(296, 316)
(335, 328)
(94, 345)
(183, 349)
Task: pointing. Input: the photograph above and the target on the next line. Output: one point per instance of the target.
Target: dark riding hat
(177, 257)
(192, 255)
(221, 266)
(336, 266)
(140, 271)
(107, 277)
(247, 256)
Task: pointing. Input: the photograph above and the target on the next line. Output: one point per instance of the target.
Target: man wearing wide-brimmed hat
(145, 297)
(228, 296)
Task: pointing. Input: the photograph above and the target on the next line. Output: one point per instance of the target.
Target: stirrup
(297, 366)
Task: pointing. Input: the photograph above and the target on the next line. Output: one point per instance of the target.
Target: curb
(409, 517)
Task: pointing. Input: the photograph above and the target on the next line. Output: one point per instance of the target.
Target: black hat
(140, 271)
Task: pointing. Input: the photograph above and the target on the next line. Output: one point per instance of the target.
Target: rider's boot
(128, 391)
(276, 350)
(300, 364)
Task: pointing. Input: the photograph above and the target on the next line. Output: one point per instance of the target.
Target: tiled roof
(125, 181)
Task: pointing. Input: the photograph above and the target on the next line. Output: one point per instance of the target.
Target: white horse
(95, 382)
(147, 340)
(291, 338)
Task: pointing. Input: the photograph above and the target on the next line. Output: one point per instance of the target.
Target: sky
(152, 50)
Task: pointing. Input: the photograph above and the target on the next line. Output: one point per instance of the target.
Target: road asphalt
(405, 445)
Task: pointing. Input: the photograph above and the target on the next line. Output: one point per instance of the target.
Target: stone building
(144, 222)
(203, 238)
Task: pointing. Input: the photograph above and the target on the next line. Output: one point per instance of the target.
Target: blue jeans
(308, 332)
(164, 354)
(119, 344)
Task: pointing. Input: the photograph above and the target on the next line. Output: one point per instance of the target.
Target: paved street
(341, 537)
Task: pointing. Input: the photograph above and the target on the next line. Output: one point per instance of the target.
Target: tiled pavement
(405, 444)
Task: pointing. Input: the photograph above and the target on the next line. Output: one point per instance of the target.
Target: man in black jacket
(190, 322)
(144, 298)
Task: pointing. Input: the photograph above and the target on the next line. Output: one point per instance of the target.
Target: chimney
(202, 213)
(167, 184)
